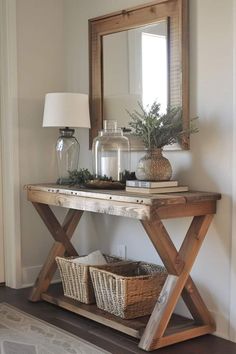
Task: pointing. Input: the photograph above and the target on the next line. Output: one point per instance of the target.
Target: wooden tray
(104, 184)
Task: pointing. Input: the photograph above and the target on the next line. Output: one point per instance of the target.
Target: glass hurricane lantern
(111, 152)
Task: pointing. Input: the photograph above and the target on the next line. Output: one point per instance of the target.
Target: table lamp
(68, 111)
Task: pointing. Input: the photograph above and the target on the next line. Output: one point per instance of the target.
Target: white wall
(2, 270)
(233, 244)
(41, 63)
(45, 40)
(206, 167)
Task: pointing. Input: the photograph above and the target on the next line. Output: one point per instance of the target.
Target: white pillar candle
(109, 167)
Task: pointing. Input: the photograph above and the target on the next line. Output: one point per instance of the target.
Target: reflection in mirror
(135, 69)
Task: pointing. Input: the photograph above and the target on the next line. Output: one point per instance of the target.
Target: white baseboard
(222, 325)
(29, 275)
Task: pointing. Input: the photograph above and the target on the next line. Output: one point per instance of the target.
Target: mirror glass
(135, 69)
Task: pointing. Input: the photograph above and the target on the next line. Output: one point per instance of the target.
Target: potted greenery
(156, 131)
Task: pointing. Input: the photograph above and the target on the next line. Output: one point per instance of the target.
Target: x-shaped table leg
(62, 235)
(178, 265)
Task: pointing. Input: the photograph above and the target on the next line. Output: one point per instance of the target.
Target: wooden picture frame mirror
(105, 49)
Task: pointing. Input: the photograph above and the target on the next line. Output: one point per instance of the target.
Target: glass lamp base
(67, 149)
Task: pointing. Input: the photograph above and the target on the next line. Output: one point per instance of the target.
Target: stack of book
(149, 187)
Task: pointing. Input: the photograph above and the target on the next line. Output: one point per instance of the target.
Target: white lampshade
(66, 110)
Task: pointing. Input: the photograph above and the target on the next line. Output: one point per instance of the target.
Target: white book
(150, 184)
(157, 190)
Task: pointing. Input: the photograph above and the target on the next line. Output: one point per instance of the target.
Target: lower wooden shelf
(134, 327)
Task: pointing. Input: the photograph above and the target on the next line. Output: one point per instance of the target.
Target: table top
(122, 195)
(125, 197)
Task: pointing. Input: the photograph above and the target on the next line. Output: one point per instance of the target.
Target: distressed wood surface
(184, 334)
(196, 305)
(159, 319)
(58, 249)
(163, 244)
(110, 207)
(54, 227)
(154, 331)
(133, 327)
(189, 209)
(121, 203)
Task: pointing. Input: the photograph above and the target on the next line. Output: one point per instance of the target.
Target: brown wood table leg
(54, 227)
(179, 265)
(195, 304)
(62, 235)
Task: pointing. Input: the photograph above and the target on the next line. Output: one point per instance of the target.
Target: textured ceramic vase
(153, 167)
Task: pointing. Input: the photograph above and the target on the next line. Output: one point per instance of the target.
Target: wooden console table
(160, 328)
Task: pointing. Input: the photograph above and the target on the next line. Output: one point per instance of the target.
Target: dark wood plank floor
(110, 340)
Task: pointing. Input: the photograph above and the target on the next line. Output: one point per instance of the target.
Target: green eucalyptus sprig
(83, 176)
(159, 129)
(80, 176)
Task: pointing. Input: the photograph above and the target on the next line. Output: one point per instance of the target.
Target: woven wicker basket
(128, 290)
(76, 278)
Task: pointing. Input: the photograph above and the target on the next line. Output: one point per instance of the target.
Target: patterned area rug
(21, 333)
